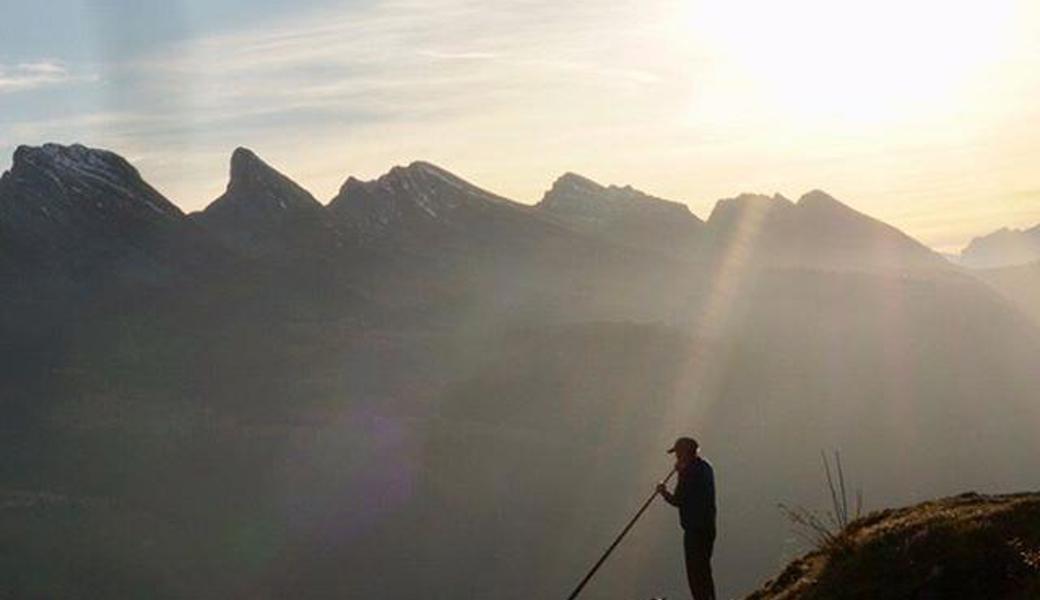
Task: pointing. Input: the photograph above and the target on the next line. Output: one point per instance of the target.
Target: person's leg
(698, 548)
(691, 564)
(709, 576)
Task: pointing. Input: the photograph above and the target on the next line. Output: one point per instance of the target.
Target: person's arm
(668, 496)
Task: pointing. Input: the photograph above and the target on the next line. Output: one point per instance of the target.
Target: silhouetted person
(695, 497)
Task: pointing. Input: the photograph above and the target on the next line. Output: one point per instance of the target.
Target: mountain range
(1003, 248)
(79, 227)
(76, 208)
(422, 387)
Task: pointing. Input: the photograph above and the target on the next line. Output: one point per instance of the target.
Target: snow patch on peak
(70, 183)
(434, 188)
(442, 175)
(73, 159)
(418, 193)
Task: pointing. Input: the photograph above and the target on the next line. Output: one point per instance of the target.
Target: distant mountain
(420, 200)
(752, 220)
(1002, 248)
(263, 212)
(817, 231)
(78, 214)
(82, 234)
(623, 215)
(453, 235)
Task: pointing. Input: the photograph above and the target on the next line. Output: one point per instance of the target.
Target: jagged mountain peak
(263, 211)
(69, 156)
(250, 174)
(571, 181)
(818, 198)
(75, 161)
(350, 181)
(418, 192)
(57, 178)
(576, 195)
(86, 212)
(748, 198)
(824, 205)
(244, 160)
(817, 230)
(819, 209)
(728, 208)
(574, 180)
(1003, 247)
(425, 166)
(414, 167)
(425, 177)
(622, 214)
(571, 191)
(1009, 231)
(256, 186)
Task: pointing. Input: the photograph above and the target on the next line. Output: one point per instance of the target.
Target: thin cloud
(458, 55)
(386, 82)
(33, 75)
(370, 58)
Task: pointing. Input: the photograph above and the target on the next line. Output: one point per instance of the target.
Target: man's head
(685, 450)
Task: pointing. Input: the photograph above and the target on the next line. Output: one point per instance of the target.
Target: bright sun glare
(861, 62)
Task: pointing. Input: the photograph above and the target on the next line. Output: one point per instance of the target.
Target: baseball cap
(684, 443)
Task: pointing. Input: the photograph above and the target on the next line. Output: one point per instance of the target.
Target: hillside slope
(1020, 285)
(969, 546)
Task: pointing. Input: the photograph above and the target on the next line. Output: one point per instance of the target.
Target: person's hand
(662, 489)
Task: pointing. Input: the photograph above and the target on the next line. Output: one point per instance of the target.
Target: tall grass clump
(824, 530)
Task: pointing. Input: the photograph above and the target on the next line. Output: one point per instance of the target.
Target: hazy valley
(421, 387)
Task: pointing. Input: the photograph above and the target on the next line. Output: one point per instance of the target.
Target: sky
(919, 112)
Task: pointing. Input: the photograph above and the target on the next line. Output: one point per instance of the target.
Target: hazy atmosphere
(406, 300)
(920, 113)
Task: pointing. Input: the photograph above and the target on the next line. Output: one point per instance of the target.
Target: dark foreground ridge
(968, 547)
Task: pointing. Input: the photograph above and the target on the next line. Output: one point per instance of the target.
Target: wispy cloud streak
(385, 83)
(33, 75)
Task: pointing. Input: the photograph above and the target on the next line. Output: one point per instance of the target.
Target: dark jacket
(695, 497)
